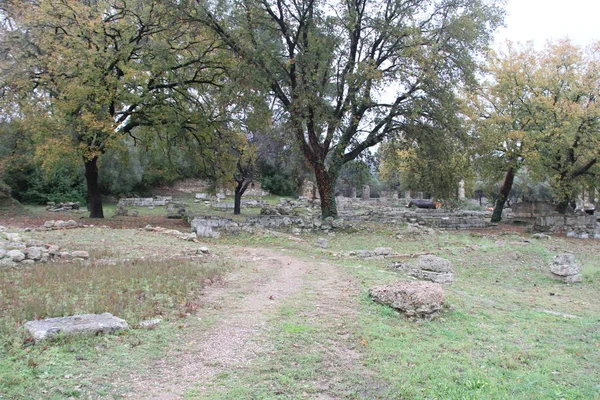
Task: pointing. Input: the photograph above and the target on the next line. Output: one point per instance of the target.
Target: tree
(350, 73)
(85, 73)
(540, 110)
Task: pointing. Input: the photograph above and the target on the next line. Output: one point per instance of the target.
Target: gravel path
(240, 309)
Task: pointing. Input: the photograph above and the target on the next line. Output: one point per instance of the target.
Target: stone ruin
(176, 210)
(545, 219)
(310, 190)
(69, 206)
(566, 268)
(90, 324)
(415, 299)
(366, 192)
(158, 201)
(17, 250)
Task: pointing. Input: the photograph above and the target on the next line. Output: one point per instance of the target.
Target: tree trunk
(504, 192)
(325, 183)
(240, 189)
(93, 188)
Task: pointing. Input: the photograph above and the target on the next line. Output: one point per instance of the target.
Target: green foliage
(354, 174)
(330, 73)
(539, 110)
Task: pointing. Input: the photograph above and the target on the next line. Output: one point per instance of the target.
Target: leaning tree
(350, 73)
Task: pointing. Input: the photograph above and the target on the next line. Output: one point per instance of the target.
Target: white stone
(383, 251)
(78, 324)
(16, 255)
(204, 250)
(34, 253)
(80, 254)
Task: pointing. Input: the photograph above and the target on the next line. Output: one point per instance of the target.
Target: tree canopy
(350, 73)
(84, 73)
(539, 109)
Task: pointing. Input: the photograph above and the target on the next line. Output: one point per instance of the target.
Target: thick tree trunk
(93, 188)
(326, 185)
(504, 192)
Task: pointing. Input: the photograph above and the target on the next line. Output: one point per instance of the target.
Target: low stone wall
(581, 226)
(145, 201)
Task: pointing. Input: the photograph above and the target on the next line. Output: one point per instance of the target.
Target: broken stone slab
(566, 268)
(435, 269)
(383, 251)
(91, 324)
(438, 277)
(414, 299)
(434, 263)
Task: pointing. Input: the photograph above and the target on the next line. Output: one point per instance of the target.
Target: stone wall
(145, 201)
(531, 209)
(580, 226)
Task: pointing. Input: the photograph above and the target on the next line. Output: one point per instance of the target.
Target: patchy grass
(137, 289)
(510, 330)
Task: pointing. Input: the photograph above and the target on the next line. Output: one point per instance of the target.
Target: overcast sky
(540, 20)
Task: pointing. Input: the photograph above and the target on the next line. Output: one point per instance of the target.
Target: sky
(540, 20)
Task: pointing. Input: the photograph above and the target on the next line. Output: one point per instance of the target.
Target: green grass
(496, 340)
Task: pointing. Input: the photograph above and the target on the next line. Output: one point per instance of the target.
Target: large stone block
(566, 268)
(90, 324)
(415, 299)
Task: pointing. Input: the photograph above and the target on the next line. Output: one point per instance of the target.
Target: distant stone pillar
(407, 195)
(352, 192)
(419, 195)
(461, 189)
(366, 192)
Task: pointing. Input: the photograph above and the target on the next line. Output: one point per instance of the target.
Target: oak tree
(350, 73)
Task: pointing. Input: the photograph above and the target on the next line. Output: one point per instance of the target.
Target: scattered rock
(322, 243)
(80, 254)
(566, 268)
(540, 236)
(414, 299)
(35, 253)
(400, 266)
(203, 250)
(148, 228)
(150, 324)
(77, 324)
(16, 255)
(383, 251)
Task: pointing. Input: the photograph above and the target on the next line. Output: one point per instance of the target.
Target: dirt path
(240, 310)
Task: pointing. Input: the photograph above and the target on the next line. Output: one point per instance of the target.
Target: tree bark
(325, 184)
(503, 196)
(240, 189)
(93, 187)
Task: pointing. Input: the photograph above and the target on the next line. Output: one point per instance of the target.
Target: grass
(134, 290)
(496, 340)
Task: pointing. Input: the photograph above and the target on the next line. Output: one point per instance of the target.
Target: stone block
(414, 299)
(91, 324)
